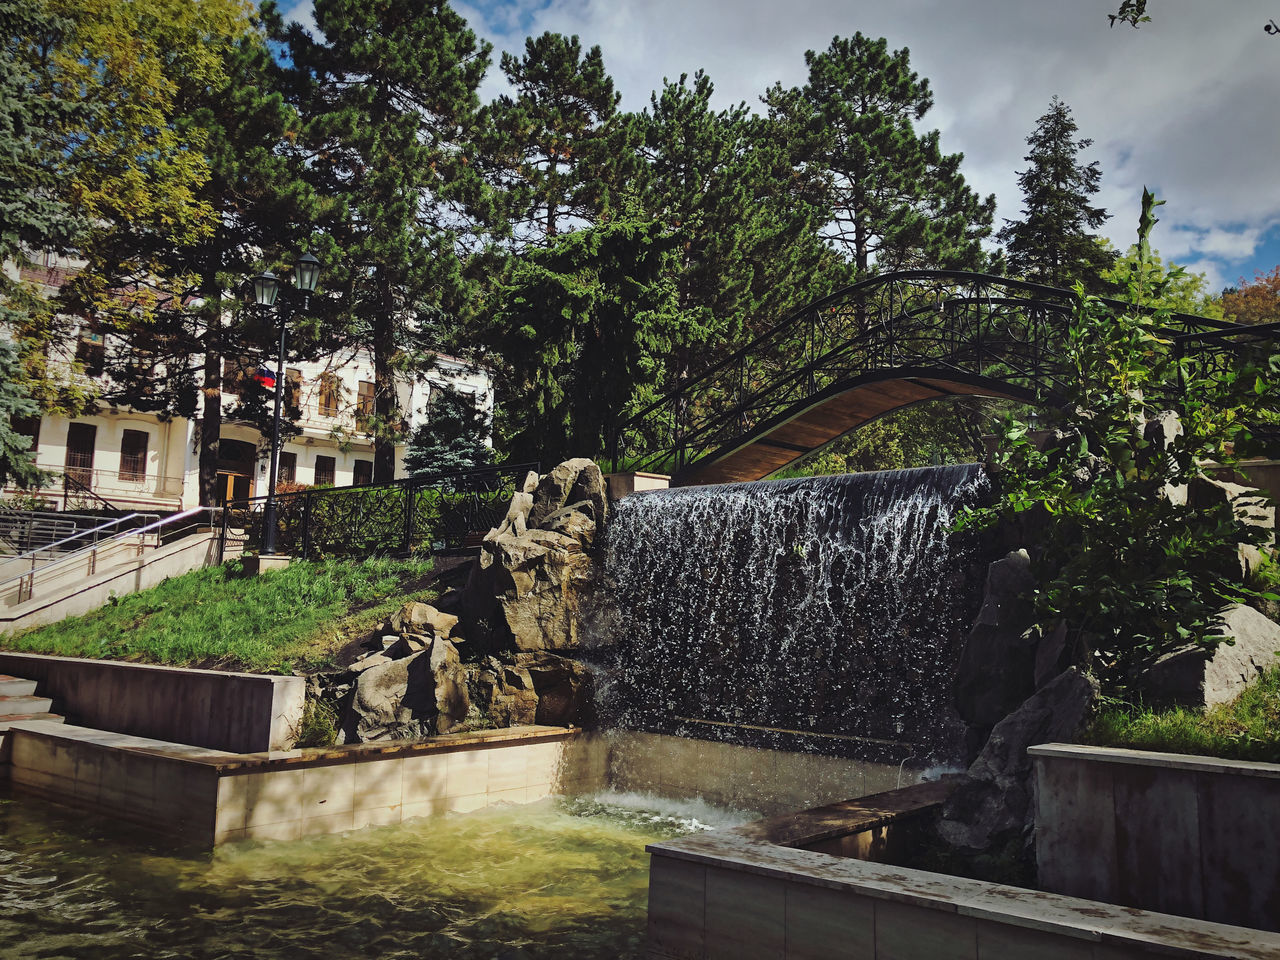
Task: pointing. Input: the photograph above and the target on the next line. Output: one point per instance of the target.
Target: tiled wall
(291, 803)
(208, 797)
(1195, 836)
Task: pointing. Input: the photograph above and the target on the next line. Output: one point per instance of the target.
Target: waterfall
(825, 613)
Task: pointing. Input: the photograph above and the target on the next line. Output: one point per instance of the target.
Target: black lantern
(307, 273)
(266, 286)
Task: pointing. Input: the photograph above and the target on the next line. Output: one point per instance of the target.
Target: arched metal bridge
(877, 346)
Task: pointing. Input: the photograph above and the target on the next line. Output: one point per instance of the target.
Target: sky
(1185, 105)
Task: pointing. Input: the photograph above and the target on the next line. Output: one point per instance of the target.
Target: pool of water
(561, 878)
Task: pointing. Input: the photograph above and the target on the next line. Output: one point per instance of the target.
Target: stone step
(16, 686)
(13, 706)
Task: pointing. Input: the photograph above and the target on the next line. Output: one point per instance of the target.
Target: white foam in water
(665, 813)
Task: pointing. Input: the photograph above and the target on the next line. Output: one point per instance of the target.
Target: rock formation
(493, 663)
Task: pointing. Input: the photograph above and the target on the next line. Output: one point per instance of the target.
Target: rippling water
(562, 878)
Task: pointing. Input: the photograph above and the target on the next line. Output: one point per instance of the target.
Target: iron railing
(22, 531)
(63, 571)
(984, 331)
(430, 511)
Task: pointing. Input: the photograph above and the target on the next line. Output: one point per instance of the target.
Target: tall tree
(581, 336)
(389, 92)
(1053, 242)
(559, 148)
(745, 247)
(897, 200)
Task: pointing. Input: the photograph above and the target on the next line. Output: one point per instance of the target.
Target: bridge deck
(764, 452)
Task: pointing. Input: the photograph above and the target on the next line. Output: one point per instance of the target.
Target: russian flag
(266, 377)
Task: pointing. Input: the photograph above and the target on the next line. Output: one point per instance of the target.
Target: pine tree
(558, 149)
(389, 92)
(896, 199)
(744, 248)
(453, 436)
(1052, 243)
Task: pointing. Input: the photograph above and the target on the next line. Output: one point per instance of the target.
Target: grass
(297, 617)
(1248, 728)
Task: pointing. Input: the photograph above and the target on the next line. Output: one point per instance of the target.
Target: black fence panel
(421, 513)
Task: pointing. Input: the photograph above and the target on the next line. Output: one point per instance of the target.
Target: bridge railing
(913, 323)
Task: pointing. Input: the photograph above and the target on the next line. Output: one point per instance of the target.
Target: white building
(138, 461)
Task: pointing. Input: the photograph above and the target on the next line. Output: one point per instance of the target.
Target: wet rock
(997, 670)
(993, 803)
(564, 687)
(1196, 677)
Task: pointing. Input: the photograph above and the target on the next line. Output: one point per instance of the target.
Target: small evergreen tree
(452, 438)
(1053, 242)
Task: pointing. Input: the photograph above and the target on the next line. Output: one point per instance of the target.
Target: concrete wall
(723, 896)
(70, 589)
(746, 778)
(209, 797)
(237, 712)
(1195, 836)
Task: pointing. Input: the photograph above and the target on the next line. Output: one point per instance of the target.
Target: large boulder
(1197, 677)
(565, 688)
(570, 482)
(423, 618)
(1249, 504)
(503, 693)
(993, 804)
(413, 697)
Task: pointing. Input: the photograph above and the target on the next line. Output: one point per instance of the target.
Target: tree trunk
(385, 402)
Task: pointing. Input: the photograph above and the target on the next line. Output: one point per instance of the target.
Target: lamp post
(266, 288)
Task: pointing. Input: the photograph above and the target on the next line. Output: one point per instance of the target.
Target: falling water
(821, 614)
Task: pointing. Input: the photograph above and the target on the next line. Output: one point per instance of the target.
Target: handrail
(120, 537)
(79, 536)
(83, 488)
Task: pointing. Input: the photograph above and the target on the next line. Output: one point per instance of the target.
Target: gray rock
(1249, 503)
(565, 688)
(408, 644)
(530, 482)
(553, 489)
(516, 521)
(997, 668)
(450, 685)
(425, 619)
(1195, 677)
(994, 802)
(504, 693)
(369, 660)
(574, 521)
(590, 486)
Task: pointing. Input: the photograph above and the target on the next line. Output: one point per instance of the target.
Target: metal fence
(427, 512)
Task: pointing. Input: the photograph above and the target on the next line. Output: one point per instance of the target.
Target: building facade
(140, 461)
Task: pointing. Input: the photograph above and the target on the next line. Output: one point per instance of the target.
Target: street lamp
(266, 287)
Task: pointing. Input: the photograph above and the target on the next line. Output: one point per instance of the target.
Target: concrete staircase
(19, 702)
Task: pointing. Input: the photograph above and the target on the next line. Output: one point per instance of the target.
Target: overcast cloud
(1186, 105)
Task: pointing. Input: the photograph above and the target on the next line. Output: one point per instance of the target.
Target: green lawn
(274, 623)
(1248, 728)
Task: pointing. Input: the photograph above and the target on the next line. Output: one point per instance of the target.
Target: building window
(330, 388)
(80, 442)
(235, 375)
(293, 387)
(362, 472)
(91, 350)
(28, 427)
(133, 455)
(287, 470)
(364, 402)
(326, 470)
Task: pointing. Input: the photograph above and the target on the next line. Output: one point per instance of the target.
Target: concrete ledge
(209, 797)
(728, 894)
(1152, 758)
(237, 712)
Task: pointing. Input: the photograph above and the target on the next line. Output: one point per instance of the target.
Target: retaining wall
(236, 712)
(1195, 836)
(209, 797)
